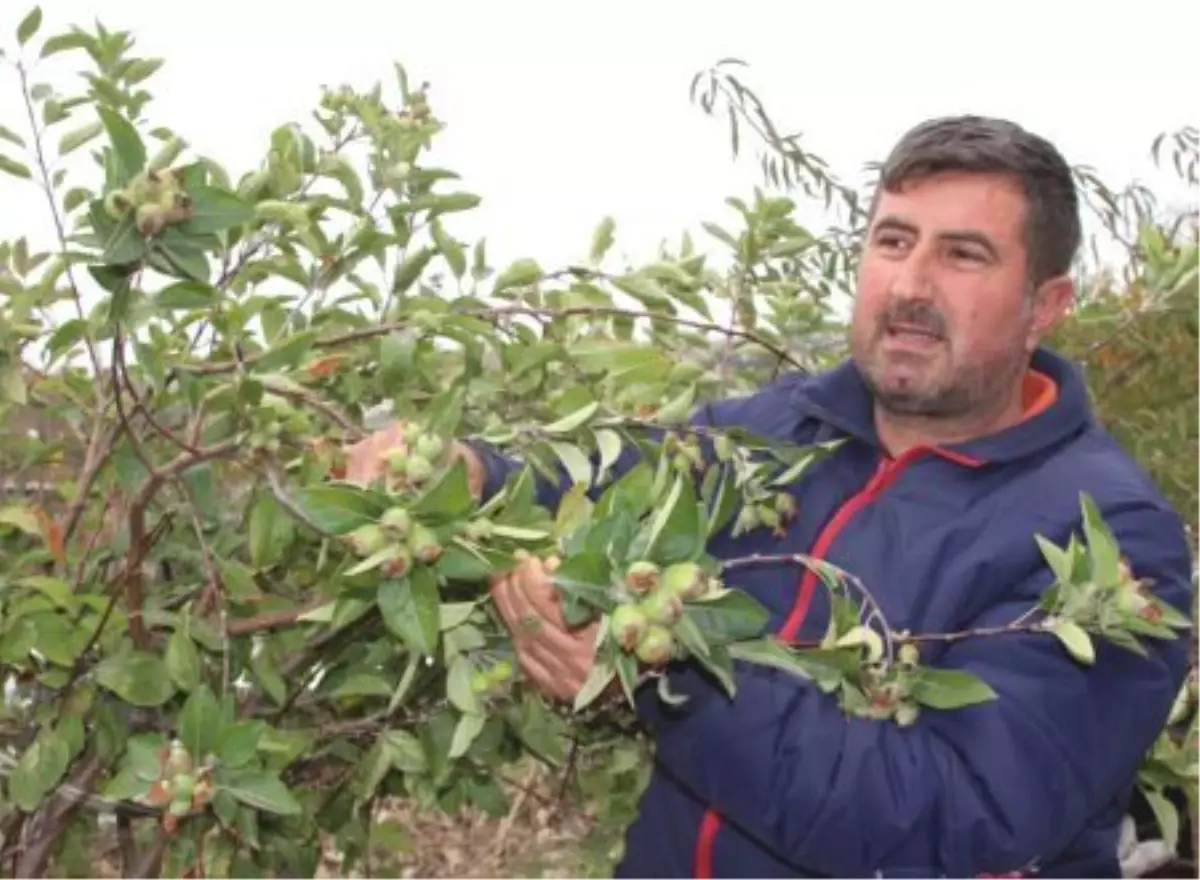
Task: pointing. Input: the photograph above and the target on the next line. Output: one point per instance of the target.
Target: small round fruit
(367, 540)
(642, 576)
(910, 654)
(687, 580)
(501, 672)
(628, 625)
(480, 529)
(480, 681)
(662, 607)
(655, 646)
(424, 544)
(430, 447)
(419, 469)
(396, 521)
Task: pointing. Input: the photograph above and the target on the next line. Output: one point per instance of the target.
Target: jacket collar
(841, 400)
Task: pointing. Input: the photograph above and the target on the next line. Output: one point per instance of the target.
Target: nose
(912, 280)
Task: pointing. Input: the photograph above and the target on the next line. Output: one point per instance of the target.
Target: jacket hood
(841, 399)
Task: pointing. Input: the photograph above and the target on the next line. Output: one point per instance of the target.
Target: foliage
(213, 633)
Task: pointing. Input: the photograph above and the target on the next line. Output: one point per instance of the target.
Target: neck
(899, 432)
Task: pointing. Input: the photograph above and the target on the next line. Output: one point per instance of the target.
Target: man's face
(942, 324)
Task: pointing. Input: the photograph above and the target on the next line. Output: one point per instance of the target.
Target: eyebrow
(966, 236)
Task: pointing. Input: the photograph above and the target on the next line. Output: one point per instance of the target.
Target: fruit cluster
(653, 603)
(398, 537)
(157, 199)
(182, 786)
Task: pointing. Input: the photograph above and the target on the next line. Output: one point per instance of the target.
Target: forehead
(991, 204)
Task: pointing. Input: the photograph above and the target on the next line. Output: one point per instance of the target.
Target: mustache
(921, 316)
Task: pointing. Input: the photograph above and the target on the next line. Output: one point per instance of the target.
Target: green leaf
(11, 136)
(466, 731)
(215, 210)
(450, 497)
(264, 793)
(125, 244)
(602, 240)
(137, 677)
(1102, 546)
(409, 607)
(681, 534)
(29, 25)
(949, 688)
(22, 517)
(183, 660)
(127, 144)
(200, 721)
(13, 167)
(77, 137)
(458, 685)
(599, 678)
(39, 770)
(1077, 642)
(732, 616)
(340, 508)
(577, 465)
(410, 270)
(65, 42)
(237, 744)
(574, 420)
(187, 295)
(1166, 816)
(520, 273)
(288, 353)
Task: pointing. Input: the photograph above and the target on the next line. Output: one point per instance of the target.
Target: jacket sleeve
(989, 788)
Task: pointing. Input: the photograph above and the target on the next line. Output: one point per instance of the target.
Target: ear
(1050, 303)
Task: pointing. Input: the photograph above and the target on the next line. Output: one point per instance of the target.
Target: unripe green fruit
(150, 219)
(628, 625)
(424, 544)
(687, 580)
(179, 761)
(655, 646)
(785, 505)
(642, 577)
(419, 469)
(367, 540)
(662, 607)
(429, 446)
(185, 786)
(480, 529)
(1131, 600)
(748, 519)
(480, 681)
(116, 204)
(398, 565)
(910, 654)
(397, 522)
(397, 462)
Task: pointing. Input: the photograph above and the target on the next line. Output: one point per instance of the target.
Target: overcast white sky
(560, 112)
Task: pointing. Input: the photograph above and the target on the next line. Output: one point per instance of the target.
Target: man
(964, 438)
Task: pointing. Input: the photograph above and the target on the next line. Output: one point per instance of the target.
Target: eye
(891, 241)
(967, 254)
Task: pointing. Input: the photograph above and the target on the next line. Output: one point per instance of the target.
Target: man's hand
(367, 459)
(556, 658)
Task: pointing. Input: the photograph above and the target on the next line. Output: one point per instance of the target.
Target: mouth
(912, 333)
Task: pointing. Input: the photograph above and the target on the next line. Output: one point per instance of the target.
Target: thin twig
(377, 330)
(309, 399)
(48, 186)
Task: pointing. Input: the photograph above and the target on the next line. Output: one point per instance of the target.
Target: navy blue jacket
(780, 782)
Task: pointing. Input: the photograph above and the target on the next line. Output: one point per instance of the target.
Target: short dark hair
(988, 145)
